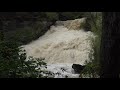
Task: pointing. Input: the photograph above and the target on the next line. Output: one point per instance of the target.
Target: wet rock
(77, 68)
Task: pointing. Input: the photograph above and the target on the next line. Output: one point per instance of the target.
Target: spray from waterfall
(65, 42)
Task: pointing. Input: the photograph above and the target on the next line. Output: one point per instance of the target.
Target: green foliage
(1, 36)
(90, 71)
(96, 29)
(13, 62)
(93, 66)
(96, 22)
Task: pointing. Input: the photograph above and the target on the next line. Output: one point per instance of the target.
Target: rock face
(78, 68)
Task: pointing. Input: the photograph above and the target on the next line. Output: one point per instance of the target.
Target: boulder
(77, 68)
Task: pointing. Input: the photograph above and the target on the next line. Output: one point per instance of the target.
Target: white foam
(62, 71)
(61, 45)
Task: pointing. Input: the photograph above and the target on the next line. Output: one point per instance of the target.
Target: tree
(110, 45)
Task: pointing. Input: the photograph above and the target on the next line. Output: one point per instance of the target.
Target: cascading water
(64, 44)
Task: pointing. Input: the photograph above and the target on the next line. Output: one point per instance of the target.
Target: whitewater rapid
(63, 44)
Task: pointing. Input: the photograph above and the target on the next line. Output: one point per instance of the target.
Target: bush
(13, 62)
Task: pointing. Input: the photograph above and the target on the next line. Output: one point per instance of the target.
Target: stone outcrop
(77, 68)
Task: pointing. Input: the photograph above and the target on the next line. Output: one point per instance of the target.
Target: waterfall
(64, 43)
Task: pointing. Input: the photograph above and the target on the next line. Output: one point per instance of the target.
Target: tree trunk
(110, 45)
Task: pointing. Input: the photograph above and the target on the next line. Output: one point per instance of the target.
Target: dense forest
(20, 28)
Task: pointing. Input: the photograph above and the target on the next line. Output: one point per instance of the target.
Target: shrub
(13, 62)
(1, 36)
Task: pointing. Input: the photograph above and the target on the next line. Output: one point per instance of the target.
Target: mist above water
(63, 44)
